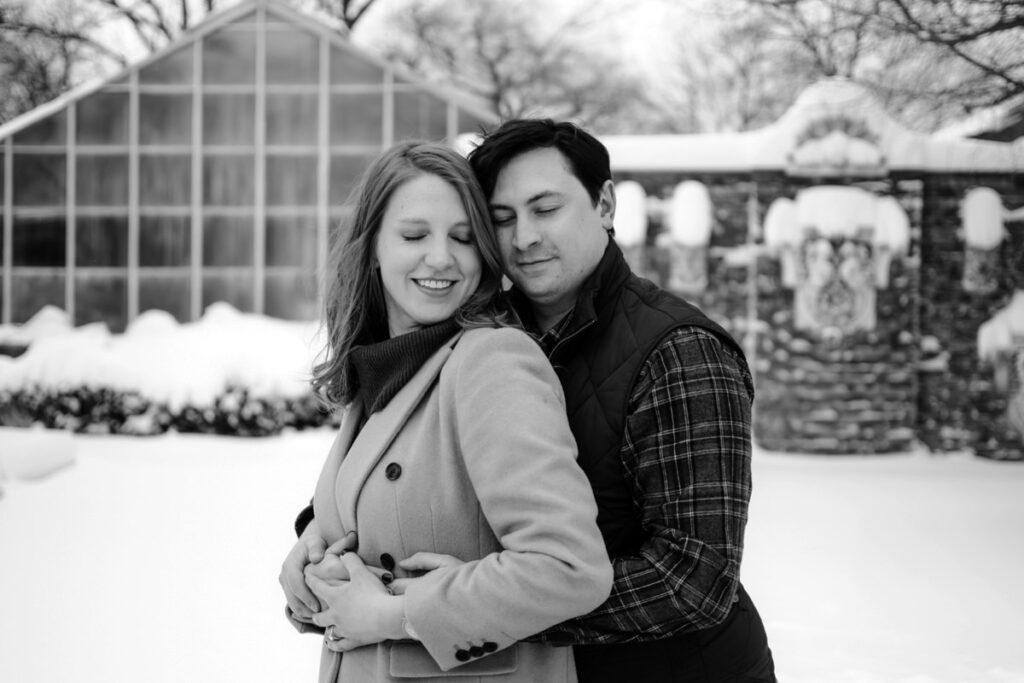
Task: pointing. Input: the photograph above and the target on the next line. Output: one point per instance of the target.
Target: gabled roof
(318, 23)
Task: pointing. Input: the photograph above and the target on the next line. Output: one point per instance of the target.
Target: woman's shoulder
(497, 339)
(492, 362)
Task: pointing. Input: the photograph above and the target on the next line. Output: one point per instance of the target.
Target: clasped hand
(362, 603)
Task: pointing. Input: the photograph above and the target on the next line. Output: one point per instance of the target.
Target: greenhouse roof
(315, 22)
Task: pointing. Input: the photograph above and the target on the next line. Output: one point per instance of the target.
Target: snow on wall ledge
(834, 119)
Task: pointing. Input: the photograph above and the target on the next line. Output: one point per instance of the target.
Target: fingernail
(387, 578)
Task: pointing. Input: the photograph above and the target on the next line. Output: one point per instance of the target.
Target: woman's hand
(332, 570)
(309, 548)
(362, 610)
(422, 563)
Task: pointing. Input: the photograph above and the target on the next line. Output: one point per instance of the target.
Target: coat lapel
(325, 507)
(379, 431)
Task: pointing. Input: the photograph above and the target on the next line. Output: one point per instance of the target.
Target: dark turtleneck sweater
(383, 368)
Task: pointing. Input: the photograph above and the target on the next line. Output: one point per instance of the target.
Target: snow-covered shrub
(228, 373)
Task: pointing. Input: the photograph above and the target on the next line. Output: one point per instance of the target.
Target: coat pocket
(411, 660)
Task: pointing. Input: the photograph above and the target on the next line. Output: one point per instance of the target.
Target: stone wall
(823, 392)
(915, 377)
(959, 403)
(850, 394)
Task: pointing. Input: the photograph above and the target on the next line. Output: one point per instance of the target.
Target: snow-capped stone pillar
(690, 219)
(631, 224)
(1000, 408)
(981, 215)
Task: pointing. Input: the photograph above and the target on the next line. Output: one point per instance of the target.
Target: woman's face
(428, 262)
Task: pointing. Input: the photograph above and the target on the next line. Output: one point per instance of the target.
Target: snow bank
(163, 361)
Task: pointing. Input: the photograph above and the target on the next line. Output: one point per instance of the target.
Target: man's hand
(422, 563)
(310, 548)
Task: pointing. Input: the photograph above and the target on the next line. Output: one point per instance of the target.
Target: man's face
(551, 234)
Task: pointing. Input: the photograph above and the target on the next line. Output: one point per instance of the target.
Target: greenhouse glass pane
(234, 288)
(292, 119)
(346, 170)
(40, 241)
(419, 115)
(291, 295)
(347, 68)
(102, 119)
(228, 241)
(30, 292)
(357, 119)
(102, 180)
(229, 56)
(39, 179)
(53, 130)
(228, 180)
(229, 120)
(293, 57)
(291, 181)
(165, 292)
(165, 179)
(102, 297)
(101, 241)
(165, 119)
(469, 123)
(175, 67)
(165, 241)
(291, 241)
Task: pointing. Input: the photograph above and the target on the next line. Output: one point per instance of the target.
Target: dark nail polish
(387, 578)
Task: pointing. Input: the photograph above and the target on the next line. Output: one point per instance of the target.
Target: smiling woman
(426, 255)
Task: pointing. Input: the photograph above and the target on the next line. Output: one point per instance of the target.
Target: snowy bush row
(227, 373)
(105, 411)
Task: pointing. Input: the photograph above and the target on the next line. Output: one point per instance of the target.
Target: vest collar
(600, 287)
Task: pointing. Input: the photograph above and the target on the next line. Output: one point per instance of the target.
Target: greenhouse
(212, 171)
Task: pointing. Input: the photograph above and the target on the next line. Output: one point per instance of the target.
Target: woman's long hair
(354, 307)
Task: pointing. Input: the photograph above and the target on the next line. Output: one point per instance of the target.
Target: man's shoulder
(657, 298)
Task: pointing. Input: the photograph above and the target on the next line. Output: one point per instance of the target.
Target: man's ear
(606, 205)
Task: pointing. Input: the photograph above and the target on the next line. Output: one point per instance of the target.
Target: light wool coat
(472, 458)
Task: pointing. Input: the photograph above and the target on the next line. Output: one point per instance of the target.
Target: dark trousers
(735, 651)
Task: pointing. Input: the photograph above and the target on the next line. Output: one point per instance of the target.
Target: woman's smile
(435, 285)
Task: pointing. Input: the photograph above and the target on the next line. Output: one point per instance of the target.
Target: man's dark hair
(588, 158)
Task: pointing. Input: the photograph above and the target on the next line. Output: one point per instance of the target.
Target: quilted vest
(618, 320)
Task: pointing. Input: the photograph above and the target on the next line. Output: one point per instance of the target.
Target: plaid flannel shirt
(687, 451)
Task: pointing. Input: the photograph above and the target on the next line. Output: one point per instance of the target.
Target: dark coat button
(387, 562)
(462, 655)
(489, 646)
(476, 651)
(393, 471)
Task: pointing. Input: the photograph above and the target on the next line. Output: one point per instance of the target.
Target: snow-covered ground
(156, 559)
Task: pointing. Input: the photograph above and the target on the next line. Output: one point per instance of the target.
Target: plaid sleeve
(687, 452)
